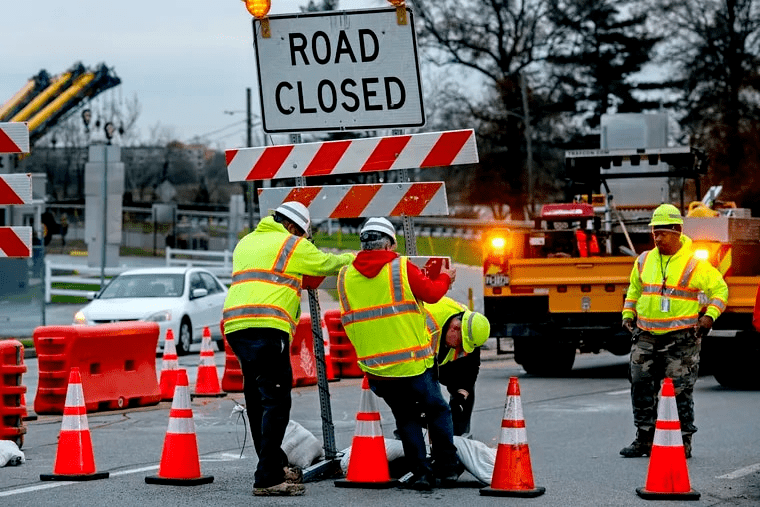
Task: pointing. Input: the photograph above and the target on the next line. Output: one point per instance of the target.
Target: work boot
(687, 446)
(282, 489)
(293, 474)
(642, 446)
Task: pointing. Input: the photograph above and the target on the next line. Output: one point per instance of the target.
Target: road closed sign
(338, 70)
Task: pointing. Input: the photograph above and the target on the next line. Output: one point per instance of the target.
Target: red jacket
(370, 262)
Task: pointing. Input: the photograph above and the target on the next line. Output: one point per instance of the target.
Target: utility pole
(528, 143)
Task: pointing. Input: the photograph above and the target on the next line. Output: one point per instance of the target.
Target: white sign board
(338, 70)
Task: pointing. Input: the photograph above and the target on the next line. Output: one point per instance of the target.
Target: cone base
(652, 495)
(75, 477)
(179, 482)
(344, 483)
(207, 395)
(524, 493)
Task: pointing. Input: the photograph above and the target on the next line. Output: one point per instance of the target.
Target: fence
(219, 263)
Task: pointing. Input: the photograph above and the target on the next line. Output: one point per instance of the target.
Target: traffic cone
(329, 367)
(169, 367)
(512, 473)
(74, 460)
(368, 463)
(207, 382)
(667, 476)
(180, 463)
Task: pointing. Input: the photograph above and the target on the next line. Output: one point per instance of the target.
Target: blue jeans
(407, 397)
(264, 356)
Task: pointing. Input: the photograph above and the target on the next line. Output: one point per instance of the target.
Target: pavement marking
(741, 472)
(49, 485)
(622, 391)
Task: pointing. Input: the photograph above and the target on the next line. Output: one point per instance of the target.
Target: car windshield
(144, 286)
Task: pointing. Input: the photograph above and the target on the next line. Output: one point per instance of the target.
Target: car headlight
(162, 316)
(79, 318)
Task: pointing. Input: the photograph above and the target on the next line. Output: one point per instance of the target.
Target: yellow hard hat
(666, 214)
(475, 330)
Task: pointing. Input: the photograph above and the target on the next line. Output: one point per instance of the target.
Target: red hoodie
(370, 262)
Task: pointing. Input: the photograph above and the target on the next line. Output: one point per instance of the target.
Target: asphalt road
(575, 427)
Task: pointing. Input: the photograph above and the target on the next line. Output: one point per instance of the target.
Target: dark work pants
(264, 356)
(406, 397)
(457, 375)
(656, 357)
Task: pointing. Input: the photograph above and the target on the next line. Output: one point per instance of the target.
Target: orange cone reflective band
(74, 460)
(667, 475)
(169, 367)
(512, 472)
(207, 382)
(368, 463)
(180, 464)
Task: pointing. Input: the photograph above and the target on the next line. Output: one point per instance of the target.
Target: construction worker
(662, 312)
(457, 334)
(380, 294)
(260, 315)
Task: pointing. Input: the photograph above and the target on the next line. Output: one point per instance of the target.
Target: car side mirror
(199, 293)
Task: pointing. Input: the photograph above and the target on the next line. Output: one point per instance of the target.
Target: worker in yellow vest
(260, 315)
(457, 335)
(662, 311)
(380, 294)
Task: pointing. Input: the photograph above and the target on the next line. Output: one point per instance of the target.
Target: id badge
(665, 305)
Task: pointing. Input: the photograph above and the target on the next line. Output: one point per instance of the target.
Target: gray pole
(249, 143)
(528, 142)
(105, 218)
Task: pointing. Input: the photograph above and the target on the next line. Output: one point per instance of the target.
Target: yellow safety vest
(384, 322)
(267, 270)
(437, 315)
(664, 291)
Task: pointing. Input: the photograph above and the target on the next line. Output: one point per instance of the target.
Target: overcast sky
(187, 61)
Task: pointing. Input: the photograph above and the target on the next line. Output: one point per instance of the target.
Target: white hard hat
(379, 224)
(296, 212)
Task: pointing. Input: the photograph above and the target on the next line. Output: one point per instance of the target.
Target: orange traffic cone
(207, 382)
(180, 463)
(74, 460)
(329, 367)
(368, 463)
(169, 367)
(512, 473)
(667, 476)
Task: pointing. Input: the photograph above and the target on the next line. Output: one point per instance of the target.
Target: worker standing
(662, 311)
(260, 315)
(458, 334)
(380, 294)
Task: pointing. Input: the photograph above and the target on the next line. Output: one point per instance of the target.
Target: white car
(183, 299)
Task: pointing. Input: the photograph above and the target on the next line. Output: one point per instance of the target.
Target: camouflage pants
(656, 357)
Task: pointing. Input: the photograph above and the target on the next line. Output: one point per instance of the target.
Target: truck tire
(545, 358)
(733, 361)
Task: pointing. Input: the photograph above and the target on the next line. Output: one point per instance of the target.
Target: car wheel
(185, 337)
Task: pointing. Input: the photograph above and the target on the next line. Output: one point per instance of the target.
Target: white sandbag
(10, 454)
(477, 458)
(393, 450)
(301, 446)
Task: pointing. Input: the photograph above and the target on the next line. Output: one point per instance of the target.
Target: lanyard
(664, 274)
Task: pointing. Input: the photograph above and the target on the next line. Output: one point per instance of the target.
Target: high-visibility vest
(267, 271)
(384, 322)
(437, 314)
(662, 306)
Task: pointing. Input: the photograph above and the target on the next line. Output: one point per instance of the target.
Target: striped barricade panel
(14, 137)
(413, 151)
(16, 241)
(369, 200)
(15, 189)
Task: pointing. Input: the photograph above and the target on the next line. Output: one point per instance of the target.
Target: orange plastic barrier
(12, 391)
(302, 360)
(342, 352)
(232, 378)
(117, 364)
